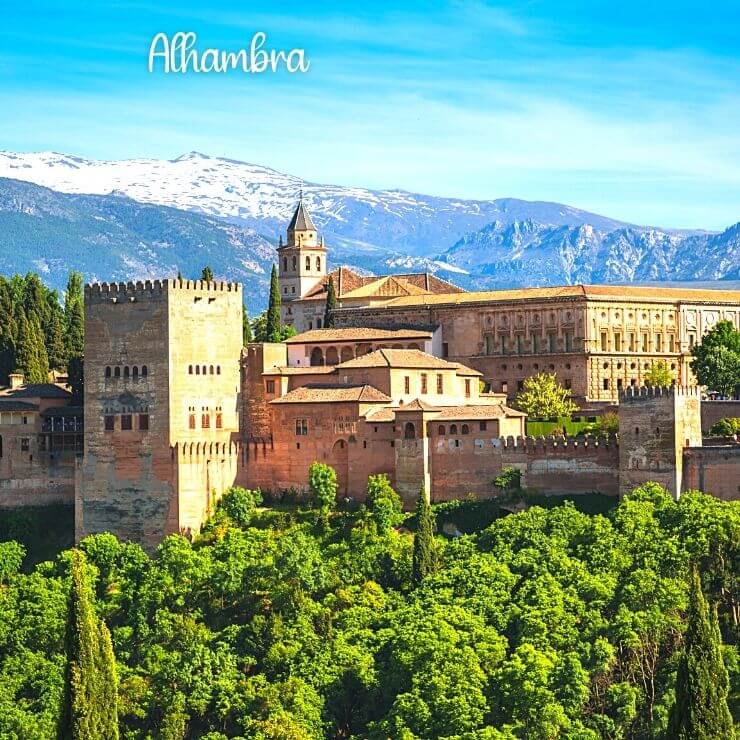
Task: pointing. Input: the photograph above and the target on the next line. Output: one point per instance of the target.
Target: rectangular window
(191, 421)
(407, 384)
(423, 382)
(645, 343)
(219, 421)
(519, 344)
(270, 386)
(632, 341)
(671, 343)
(568, 383)
(520, 385)
(205, 421)
(109, 423)
(617, 342)
(126, 422)
(445, 349)
(144, 422)
(606, 384)
(619, 384)
(658, 343)
(467, 387)
(535, 342)
(604, 342)
(552, 342)
(25, 444)
(568, 341)
(504, 344)
(440, 384)
(488, 342)
(301, 427)
(483, 426)
(504, 387)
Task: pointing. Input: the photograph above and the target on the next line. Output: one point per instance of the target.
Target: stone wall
(713, 411)
(714, 470)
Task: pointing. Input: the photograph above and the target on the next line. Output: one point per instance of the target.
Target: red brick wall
(714, 470)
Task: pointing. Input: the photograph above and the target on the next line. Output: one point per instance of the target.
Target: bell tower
(302, 259)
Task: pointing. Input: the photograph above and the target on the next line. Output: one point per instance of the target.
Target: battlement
(153, 289)
(638, 394)
(556, 444)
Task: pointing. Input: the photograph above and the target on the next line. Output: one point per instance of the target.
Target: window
(109, 423)
(658, 343)
(126, 371)
(520, 385)
(117, 372)
(645, 343)
(25, 444)
(205, 421)
(620, 383)
(218, 369)
(308, 263)
(504, 344)
(292, 289)
(568, 341)
(483, 426)
(488, 343)
(197, 369)
(107, 372)
(409, 431)
(135, 372)
(671, 343)
(617, 342)
(407, 384)
(453, 429)
(465, 429)
(552, 342)
(535, 343)
(568, 383)
(270, 386)
(285, 264)
(126, 422)
(219, 421)
(295, 264)
(318, 264)
(301, 427)
(519, 344)
(144, 422)
(191, 421)
(692, 340)
(423, 382)
(441, 430)
(606, 384)
(445, 349)
(604, 341)
(440, 383)
(632, 342)
(467, 387)
(504, 387)
(318, 323)
(144, 371)
(204, 369)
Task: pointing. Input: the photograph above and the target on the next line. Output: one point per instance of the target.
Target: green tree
(90, 703)
(207, 274)
(247, 337)
(607, 423)
(272, 320)
(700, 711)
(75, 377)
(240, 504)
(331, 304)
(544, 398)
(322, 482)
(424, 557)
(658, 375)
(726, 427)
(383, 503)
(716, 359)
(31, 358)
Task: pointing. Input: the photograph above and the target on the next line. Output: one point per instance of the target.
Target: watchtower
(162, 383)
(655, 425)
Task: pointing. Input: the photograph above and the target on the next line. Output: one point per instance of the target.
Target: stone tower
(302, 259)
(162, 382)
(655, 425)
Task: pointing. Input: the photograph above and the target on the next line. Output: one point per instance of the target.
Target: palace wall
(714, 470)
(713, 411)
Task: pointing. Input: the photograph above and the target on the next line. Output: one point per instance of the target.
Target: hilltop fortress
(414, 381)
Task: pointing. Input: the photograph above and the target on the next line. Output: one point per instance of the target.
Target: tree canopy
(659, 375)
(544, 398)
(331, 304)
(716, 359)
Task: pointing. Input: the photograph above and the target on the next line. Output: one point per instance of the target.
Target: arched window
(197, 369)
(117, 372)
(317, 356)
(107, 372)
(409, 430)
(453, 429)
(210, 369)
(126, 371)
(190, 369)
(285, 264)
(144, 371)
(205, 370)
(318, 264)
(135, 372)
(332, 356)
(465, 429)
(295, 264)
(637, 431)
(308, 263)
(218, 369)
(441, 431)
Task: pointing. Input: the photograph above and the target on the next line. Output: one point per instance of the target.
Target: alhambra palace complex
(413, 381)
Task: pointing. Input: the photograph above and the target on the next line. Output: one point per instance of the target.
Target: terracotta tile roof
(307, 370)
(384, 413)
(492, 411)
(417, 405)
(319, 393)
(593, 292)
(361, 334)
(12, 405)
(402, 358)
(37, 390)
(385, 287)
(465, 370)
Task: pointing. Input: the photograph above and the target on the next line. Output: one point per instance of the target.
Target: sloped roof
(301, 220)
(302, 370)
(319, 393)
(360, 334)
(402, 358)
(490, 411)
(37, 390)
(417, 405)
(592, 292)
(384, 287)
(12, 405)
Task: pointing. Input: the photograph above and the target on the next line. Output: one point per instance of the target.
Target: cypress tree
(90, 710)
(26, 356)
(424, 553)
(207, 274)
(246, 327)
(700, 711)
(272, 329)
(41, 358)
(54, 335)
(74, 316)
(331, 304)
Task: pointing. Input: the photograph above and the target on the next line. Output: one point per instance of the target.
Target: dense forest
(290, 622)
(38, 332)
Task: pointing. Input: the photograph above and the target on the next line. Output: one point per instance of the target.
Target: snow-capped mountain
(264, 199)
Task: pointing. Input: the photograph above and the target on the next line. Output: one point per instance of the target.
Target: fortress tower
(162, 385)
(655, 425)
(302, 259)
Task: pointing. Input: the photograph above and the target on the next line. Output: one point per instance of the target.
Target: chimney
(16, 380)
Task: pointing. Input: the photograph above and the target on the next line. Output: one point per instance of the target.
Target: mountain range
(136, 218)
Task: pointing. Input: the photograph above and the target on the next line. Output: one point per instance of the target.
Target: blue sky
(631, 109)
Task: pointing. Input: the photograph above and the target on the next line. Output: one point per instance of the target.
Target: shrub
(240, 503)
(726, 427)
(383, 503)
(322, 481)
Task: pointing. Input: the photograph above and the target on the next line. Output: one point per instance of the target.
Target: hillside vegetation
(294, 624)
